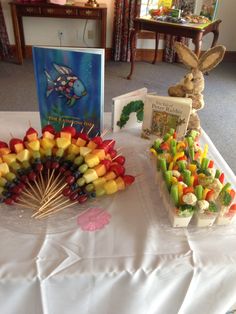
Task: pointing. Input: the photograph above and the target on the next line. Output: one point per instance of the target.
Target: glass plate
(19, 219)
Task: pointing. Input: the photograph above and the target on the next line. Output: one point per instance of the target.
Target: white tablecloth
(137, 264)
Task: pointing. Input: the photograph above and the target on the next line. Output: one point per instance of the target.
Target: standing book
(161, 113)
(70, 87)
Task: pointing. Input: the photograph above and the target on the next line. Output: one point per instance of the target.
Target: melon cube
(18, 147)
(4, 151)
(120, 183)
(9, 158)
(110, 175)
(32, 137)
(110, 187)
(65, 135)
(80, 142)
(91, 160)
(100, 153)
(90, 175)
(91, 145)
(49, 135)
(100, 169)
(4, 169)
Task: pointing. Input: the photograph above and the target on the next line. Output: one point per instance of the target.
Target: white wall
(44, 31)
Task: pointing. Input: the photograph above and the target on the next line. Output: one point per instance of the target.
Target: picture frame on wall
(207, 8)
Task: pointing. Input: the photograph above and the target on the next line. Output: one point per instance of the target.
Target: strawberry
(69, 129)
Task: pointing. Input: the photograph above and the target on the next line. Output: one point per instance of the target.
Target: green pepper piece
(217, 174)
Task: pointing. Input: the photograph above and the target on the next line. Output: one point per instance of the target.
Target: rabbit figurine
(193, 85)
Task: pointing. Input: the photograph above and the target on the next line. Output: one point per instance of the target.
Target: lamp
(92, 3)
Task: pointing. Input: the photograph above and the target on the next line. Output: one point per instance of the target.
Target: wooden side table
(76, 11)
(195, 32)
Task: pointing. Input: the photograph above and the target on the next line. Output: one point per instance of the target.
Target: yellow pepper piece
(181, 145)
(191, 180)
(201, 175)
(153, 152)
(180, 190)
(206, 190)
(192, 167)
(174, 180)
(171, 165)
(205, 151)
(178, 155)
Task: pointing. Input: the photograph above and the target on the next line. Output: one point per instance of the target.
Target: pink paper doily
(93, 219)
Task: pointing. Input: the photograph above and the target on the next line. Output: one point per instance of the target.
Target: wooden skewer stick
(31, 196)
(116, 156)
(33, 190)
(25, 202)
(42, 180)
(50, 208)
(57, 210)
(39, 188)
(58, 191)
(90, 129)
(52, 186)
(104, 132)
(51, 191)
(49, 182)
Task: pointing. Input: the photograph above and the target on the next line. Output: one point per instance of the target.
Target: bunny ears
(210, 59)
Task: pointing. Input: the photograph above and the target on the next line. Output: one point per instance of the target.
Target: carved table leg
(216, 36)
(198, 44)
(132, 52)
(156, 47)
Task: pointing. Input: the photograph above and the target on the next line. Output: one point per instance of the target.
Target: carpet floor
(218, 117)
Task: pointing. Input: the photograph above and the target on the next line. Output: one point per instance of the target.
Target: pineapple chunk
(73, 149)
(99, 182)
(91, 160)
(47, 143)
(4, 169)
(24, 155)
(63, 142)
(9, 158)
(85, 151)
(90, 175)
(34, 145)
(110, 187)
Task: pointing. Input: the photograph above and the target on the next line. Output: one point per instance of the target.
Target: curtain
(125, 12)
(5, 50)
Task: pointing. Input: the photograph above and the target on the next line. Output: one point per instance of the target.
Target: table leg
(216, 36)
(198, 44)
(133, 36)
(16, 29)
(156, 47)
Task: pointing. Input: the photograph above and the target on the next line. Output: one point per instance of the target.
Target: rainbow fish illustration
(66, 84)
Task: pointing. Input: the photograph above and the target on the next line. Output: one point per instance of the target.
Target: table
(136, 264)
(192, 31)
(38, 9)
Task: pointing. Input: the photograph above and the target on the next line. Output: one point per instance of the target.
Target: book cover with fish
(70, 87)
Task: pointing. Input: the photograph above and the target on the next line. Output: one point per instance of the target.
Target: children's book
(127, 109)
(70, 87)
(161, 113)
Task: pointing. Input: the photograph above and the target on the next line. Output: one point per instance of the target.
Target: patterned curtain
(125, 12)
(5, 50)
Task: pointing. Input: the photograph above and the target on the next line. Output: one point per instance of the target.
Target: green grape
(100, 191)
(26, 164)
(70, 157)
(83, 168)
(15, 166)
(36, 155)
(10, 176)
(60, 152)
(3, 181)
(48, 152)
(81, 181)
(89, 187)
(79, 160)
